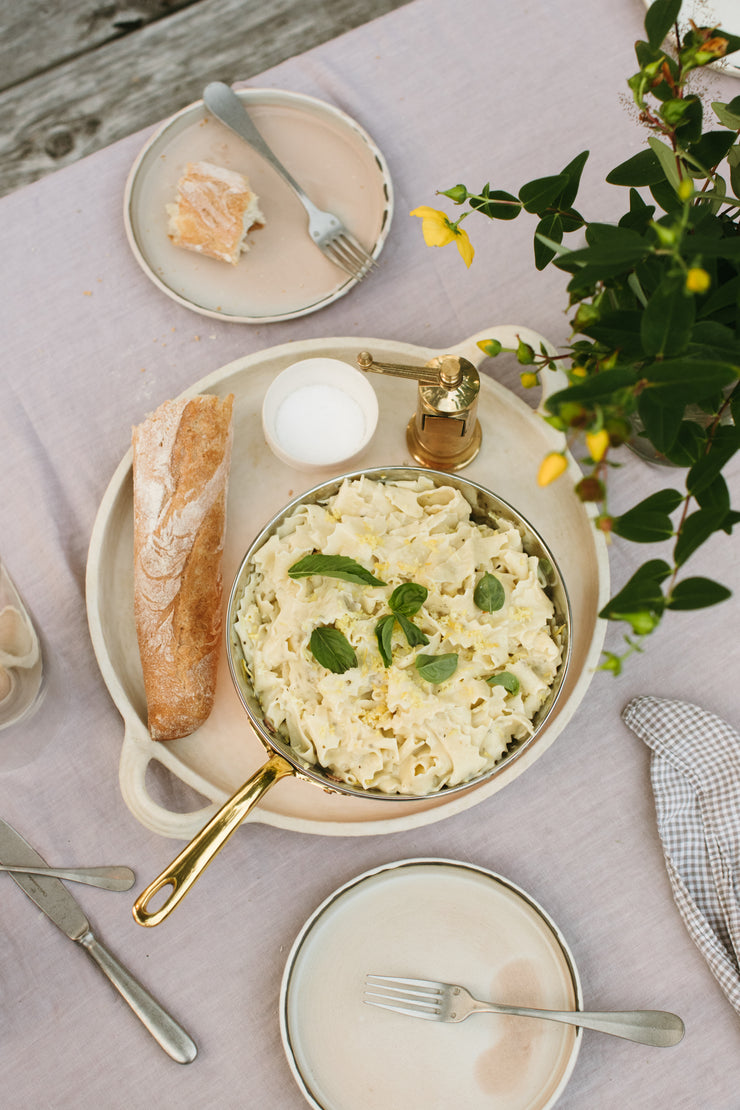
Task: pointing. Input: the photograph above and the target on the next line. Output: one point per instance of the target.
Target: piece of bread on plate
(181, 461)
(213, 212)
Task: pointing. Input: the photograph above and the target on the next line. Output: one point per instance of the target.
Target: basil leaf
(332, 649)
(407, 598)
(489, 594)
(414, 636)
(333, 566)
(506, 679)
(384, 636)
(436, 668)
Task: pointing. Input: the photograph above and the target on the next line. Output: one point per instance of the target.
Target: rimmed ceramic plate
(224, 752)
(283, 275)
(429, 919)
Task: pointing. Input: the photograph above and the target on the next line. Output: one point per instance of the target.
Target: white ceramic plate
(711, 13)
(429, 919)
(284, 274)
(222, 754)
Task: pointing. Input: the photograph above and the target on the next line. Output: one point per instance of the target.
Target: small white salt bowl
(319, 413)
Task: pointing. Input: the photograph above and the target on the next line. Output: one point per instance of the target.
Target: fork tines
(403, 995)
(347, 253)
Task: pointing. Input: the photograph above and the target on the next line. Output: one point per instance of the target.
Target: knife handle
(165, 1030)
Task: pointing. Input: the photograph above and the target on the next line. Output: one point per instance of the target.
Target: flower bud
(590, 489)
(685, 189)
(598, 444)
(697, 280)
(458, 194)
(551, 467)
(524, 353)
(490, 347)
(529, 380)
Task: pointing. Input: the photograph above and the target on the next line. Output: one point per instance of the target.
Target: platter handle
(509, 335)
(136, 755)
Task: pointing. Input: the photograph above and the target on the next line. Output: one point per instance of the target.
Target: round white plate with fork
(283, 274)
(432, 919)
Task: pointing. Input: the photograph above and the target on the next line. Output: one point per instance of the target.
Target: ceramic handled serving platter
(224, 752)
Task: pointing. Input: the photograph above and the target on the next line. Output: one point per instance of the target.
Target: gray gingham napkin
(695, 773)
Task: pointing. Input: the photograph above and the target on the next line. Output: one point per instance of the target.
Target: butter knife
(52, 896)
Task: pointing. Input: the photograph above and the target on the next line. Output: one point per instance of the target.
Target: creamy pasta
(388, 728)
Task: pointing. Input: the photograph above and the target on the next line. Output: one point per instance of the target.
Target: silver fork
(434, 1001)
(327, 230)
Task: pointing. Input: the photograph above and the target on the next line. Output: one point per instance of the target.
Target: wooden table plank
(37, 35)
(123, 84)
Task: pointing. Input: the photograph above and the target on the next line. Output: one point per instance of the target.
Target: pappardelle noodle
(380, 724)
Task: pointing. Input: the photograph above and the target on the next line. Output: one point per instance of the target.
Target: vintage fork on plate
(434, 1001)
(327, 230)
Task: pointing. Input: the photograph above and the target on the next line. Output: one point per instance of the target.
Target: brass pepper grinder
(443, 432)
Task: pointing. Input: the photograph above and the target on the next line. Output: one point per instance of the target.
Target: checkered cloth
(695, 772)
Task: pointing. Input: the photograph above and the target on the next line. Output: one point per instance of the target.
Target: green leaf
(661, 419)
(667, 158)
(715, 496)
(414, 636)
(595, 388)
(551, 229)
(733, 161)
(690, 379)
(573, 172)
(725, 443)
(384, 636)
(641, 169)
(697, 593)
(668, 319)
(332, 649)
(666, 196)
(538, 195)
(640, 602)
(509, 681)
(712, 147)
(333, 566)
(640, 214)
(496, 204)
(436, 668)
(618, 331)
(659, 20)
(695, 530)
(689, 129)
(611, 250)
(489, 593)
(728, 114)
(407, 598)
(649, 521)
(690, 444)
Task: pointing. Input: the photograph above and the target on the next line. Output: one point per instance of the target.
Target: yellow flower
(529, 380)
(551, 467)
(438, 231)
(697, 280)
(597, 443)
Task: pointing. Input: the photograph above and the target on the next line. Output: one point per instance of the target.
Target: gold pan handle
(185, 869)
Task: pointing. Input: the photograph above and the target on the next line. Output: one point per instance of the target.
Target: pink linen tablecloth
(481, 91)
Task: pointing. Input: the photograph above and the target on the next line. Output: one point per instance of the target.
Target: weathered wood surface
(76, 75)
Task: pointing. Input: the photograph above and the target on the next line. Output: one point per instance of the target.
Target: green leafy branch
(654, 360)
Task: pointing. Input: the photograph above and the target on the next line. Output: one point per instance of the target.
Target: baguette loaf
(181, 458)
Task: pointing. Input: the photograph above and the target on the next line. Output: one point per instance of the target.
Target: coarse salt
(320, 424)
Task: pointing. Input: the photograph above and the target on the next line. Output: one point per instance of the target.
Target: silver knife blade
(52, 896)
